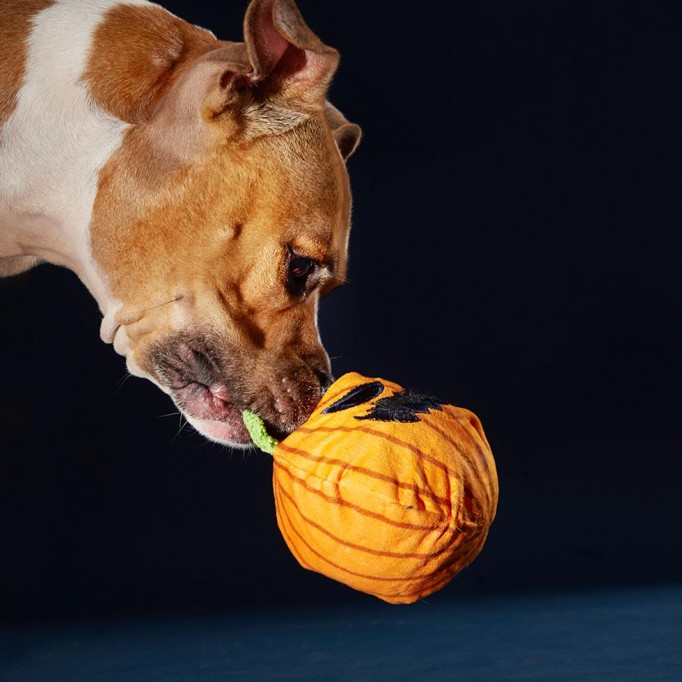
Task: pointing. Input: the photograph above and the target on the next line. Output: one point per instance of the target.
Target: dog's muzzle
(212, 392)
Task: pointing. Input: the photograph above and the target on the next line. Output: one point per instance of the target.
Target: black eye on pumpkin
(300, 274)
(356, 396)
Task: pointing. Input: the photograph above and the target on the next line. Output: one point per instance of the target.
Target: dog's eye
(301, 269)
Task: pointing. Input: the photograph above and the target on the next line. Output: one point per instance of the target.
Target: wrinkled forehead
(301, 181)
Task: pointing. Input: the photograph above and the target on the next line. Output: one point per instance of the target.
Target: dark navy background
(516, 250)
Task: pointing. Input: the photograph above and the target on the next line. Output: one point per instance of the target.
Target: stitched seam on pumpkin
(368, 550)
(388, 502)
(441, 569)
(452, 474)
(442, 520)
(345, 466)
(482, 456)
(379, 434)
(282, 516)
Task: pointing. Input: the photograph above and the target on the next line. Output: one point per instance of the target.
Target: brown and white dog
(197, 187)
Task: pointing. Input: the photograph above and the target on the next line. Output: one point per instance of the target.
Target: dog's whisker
(140, 315)
(121, 381)
(179, 431)
(170, 414)
(160, 305)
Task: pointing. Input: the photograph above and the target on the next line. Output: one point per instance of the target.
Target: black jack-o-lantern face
(402, 406)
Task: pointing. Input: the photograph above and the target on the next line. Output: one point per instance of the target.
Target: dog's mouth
(196, 381)
(212, 412)
(211, 391)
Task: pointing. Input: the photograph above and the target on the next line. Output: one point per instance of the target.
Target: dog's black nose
(325, 377)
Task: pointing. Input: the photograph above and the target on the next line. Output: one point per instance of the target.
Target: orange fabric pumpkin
(385, 490)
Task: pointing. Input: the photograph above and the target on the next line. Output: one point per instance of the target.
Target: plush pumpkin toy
(386, 490)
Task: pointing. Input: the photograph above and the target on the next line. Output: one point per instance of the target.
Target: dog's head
(223, 219)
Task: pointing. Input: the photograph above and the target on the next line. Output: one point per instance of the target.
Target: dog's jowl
(196, 186)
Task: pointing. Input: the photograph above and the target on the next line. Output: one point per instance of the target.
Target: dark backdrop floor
(626, 635)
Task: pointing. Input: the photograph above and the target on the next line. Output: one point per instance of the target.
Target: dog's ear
(286, 56)
(221, 75)
(205, 91)
(346, 134)
(280, 64)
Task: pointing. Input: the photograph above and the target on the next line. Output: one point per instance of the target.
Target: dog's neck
(71, 115)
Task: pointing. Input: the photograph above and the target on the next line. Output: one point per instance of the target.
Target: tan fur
(136, 55)
(15, 18)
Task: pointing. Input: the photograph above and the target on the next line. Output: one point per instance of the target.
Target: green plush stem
(259, 435)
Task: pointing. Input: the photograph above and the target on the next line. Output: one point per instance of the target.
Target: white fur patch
(56, 140)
